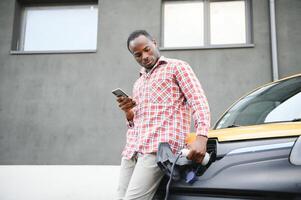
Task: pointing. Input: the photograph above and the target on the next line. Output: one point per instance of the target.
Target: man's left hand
(198, 149)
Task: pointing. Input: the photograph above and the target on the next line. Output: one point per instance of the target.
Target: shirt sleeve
(195, 96)
(131, 124)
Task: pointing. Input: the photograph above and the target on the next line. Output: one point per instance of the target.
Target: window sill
(51, 52)
(208, 47)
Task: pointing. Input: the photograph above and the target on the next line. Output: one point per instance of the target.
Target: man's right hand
(126, 104)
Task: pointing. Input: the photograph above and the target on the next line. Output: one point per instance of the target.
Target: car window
(275, 102)
(286, 111)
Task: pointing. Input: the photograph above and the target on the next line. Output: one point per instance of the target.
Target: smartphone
(119, 93)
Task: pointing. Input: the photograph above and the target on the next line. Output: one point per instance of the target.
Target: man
(164, 97)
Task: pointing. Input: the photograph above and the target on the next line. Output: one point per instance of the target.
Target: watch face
(131, 124)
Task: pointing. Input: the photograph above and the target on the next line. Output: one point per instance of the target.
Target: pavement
(58, 182)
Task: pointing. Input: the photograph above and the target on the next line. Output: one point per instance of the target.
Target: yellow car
(255, 149)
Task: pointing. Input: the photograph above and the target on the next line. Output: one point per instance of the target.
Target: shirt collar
(162, 60)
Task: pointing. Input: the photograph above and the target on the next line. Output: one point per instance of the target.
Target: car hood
(271, 130)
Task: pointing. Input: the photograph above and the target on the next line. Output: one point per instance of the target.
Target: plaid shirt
(166, 97)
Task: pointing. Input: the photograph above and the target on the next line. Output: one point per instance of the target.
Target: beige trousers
(139, 178)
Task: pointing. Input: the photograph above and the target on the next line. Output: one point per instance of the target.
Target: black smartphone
(119, 93)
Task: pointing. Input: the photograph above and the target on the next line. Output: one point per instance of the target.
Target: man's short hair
(136, 34)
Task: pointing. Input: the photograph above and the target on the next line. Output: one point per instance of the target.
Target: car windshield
(276, 102)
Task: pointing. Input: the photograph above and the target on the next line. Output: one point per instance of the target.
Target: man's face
(145, 51)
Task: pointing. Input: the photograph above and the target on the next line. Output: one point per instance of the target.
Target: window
(178, 24)
(205, 23)
(276, 102)
(58, 28)
(286, 111)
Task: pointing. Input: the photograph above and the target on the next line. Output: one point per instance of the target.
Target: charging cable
(170, 177)
(191, 177)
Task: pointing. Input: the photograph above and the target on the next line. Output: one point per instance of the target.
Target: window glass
(60, 28)
(207, 23)
(183, 24)
(286, 111)
(227, 22)
(272, 103)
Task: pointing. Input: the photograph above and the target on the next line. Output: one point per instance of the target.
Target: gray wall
(288, 14)
(58, 108)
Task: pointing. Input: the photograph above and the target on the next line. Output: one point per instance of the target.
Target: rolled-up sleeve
(131, 124)
(195, 96)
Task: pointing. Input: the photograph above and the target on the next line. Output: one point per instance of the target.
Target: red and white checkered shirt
(166, 97)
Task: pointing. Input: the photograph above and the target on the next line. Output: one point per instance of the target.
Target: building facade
(56, 105)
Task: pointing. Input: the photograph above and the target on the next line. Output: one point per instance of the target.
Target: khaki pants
(139, 178)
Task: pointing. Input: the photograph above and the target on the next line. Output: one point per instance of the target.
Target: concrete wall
(58, 108)
(288, 32)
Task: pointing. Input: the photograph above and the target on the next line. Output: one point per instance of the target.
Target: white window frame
(207, 45)
(18, 48)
